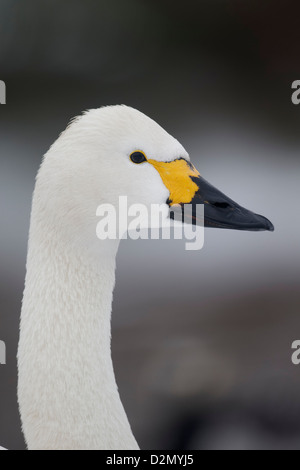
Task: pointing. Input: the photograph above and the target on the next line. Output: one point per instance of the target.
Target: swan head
(118, 151)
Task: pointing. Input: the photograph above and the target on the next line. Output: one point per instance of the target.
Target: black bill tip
(222, 212)
(236, 218)
(266, 224)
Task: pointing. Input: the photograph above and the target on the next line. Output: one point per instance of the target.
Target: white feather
(67, 391)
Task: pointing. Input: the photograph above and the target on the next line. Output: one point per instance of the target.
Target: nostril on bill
(220, 205)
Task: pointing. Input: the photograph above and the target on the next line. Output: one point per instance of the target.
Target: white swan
(68, 395)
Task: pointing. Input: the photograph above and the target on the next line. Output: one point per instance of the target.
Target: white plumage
(68, 396)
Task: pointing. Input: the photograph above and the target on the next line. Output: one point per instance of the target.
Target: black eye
(138, 157)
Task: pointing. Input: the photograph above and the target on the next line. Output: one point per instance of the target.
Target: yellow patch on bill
(176, 176)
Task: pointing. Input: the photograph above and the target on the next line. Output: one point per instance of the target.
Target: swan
(67, 391)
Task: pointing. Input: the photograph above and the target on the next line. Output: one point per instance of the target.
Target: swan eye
(138, 157)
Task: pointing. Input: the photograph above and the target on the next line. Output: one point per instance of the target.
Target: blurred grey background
(201, 340)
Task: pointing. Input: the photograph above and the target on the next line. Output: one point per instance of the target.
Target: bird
(67, 391)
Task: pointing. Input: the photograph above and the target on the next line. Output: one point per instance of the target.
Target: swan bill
(188, 189)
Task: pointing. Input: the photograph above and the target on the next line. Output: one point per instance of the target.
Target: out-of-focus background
(201, 340)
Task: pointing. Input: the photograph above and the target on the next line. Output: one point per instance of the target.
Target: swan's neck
(67, 390)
